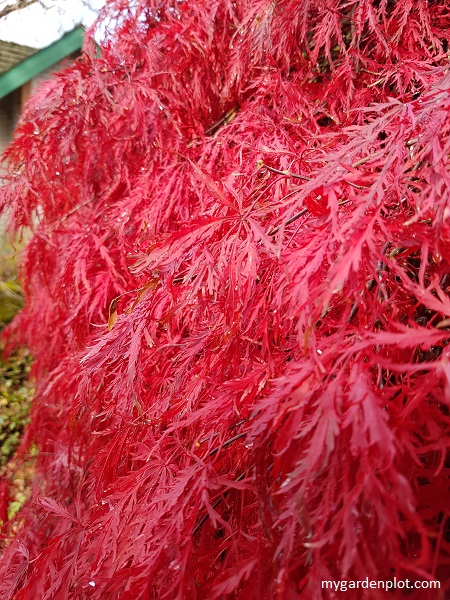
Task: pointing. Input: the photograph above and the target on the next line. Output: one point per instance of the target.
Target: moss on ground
(16, 392)
(11, 297)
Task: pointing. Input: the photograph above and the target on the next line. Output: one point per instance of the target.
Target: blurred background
(37, 38)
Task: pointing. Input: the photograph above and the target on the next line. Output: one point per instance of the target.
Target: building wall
(12, 105)
(9, 114)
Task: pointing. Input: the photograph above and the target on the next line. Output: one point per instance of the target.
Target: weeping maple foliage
(238, 298)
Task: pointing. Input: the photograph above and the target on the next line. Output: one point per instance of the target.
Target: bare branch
(16, 6)
(19, 4)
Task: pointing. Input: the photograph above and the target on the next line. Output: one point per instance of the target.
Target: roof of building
(39, 60)
(12, 54)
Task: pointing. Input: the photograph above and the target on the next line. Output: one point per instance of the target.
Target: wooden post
(25, 92)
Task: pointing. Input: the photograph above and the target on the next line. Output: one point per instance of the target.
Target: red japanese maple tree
(238, 298)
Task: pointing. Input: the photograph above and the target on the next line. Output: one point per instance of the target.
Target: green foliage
(15, 389)
(11, 298)
(15, 397)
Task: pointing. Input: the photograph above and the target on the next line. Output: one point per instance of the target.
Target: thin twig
(289, 221)
(233, 426)
(224, 120)
(216, 504)
(285, 173)
(353, 312)
(297, 216)
(227, 443)
(17, 6)
(363, 161)
(74, 210)
(355, 185)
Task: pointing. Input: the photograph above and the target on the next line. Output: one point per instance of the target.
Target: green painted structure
(41, 60)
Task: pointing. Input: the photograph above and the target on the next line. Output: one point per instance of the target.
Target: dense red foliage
(238, 297)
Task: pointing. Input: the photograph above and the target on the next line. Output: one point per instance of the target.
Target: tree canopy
(237, 296)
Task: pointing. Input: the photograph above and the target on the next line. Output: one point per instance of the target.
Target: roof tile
(12, 54)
